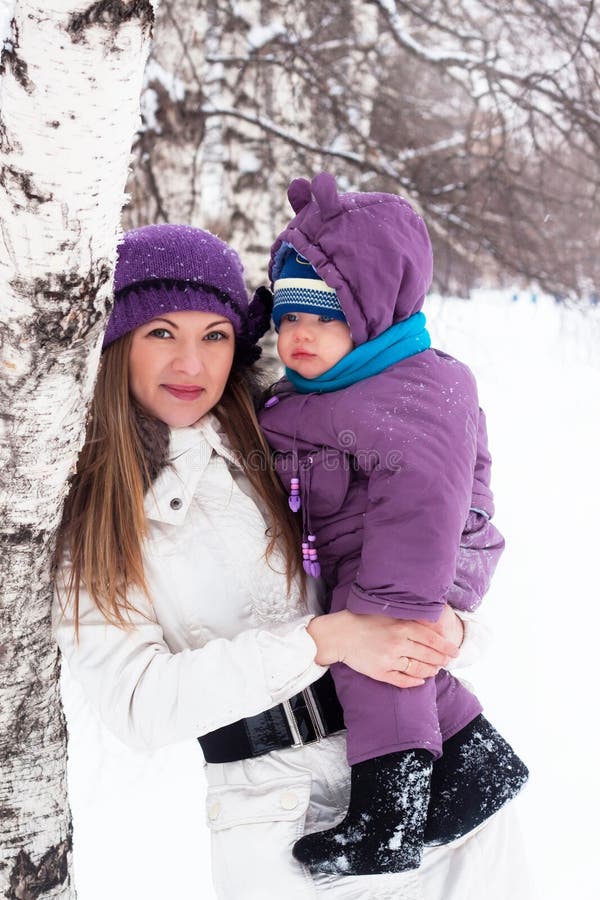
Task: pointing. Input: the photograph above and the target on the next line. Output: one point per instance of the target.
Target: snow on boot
(477, 774)
(383, 828)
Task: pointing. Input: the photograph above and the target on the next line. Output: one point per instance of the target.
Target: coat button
(176, 503)
(289, 800)
(213, 811)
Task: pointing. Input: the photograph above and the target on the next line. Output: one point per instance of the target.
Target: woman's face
(179, 364)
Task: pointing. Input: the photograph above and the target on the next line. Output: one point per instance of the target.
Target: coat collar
(191, 448)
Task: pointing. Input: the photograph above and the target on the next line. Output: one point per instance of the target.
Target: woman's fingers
(404, 642)
(421, 653)
(413, 676)
(400, 652)
(416, 669)
(423, 634)
(422, 670)
(400, 680)
(449, 625)
(408, 672)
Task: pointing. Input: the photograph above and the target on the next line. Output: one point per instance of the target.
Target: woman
(180, 606)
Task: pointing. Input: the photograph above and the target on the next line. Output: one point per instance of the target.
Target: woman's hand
(403, 653)
(450, 626)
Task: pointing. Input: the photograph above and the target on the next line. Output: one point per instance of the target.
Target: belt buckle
(313, 714)
(292, 724)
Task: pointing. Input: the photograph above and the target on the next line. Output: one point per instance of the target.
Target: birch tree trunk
(71, 75)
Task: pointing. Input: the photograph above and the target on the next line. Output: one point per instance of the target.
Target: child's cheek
(282, 347)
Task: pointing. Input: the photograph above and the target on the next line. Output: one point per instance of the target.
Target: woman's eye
(161, 333)
(216, 336)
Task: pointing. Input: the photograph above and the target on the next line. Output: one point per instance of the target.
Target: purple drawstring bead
(311, 563)
(294, 498)
(272, 401)
(306, 558)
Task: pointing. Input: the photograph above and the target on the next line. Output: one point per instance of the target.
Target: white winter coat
(222, 641)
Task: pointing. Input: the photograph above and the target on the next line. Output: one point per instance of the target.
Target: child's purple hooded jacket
(391, 466)
(407, 447)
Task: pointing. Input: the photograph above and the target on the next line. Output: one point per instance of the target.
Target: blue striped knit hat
(298, 288)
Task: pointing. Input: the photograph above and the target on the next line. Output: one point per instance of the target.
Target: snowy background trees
(485, 114)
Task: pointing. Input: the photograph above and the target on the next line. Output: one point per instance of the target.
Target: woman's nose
(188, 361)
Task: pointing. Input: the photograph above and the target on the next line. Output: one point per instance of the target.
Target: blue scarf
(398, 342)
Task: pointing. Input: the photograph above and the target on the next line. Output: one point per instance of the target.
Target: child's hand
(402, 653)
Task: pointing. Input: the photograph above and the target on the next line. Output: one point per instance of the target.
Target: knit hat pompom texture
(372, 248)
(299, 289)
(174, 268)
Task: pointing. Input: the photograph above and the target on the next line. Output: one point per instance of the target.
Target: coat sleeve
(482, 499)
(150, 696)
(481, 544)
(419, 494)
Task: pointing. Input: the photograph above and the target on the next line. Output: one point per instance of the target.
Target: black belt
(312, 714)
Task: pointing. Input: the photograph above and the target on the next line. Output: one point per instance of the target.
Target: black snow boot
(477, 774)
(383, 828)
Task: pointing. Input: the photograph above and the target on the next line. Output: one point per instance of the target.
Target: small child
(382, 445)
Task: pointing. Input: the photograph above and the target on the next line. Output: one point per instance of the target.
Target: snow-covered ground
(139, 820)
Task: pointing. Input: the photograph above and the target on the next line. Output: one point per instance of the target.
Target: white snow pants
(256, 809)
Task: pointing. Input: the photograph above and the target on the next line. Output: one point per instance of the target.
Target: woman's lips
(183, 391)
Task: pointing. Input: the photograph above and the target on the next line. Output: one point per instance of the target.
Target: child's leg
(393, 736)
(456, 705)
(381, 718)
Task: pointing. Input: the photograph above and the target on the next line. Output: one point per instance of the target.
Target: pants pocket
(253, 829)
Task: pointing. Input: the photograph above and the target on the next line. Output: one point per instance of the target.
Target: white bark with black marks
(70, 78)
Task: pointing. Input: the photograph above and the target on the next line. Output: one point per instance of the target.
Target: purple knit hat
(171, 268)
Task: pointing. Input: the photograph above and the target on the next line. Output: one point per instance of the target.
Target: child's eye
(216, 336)
(290, 317)
(160, 333)
(326, 319)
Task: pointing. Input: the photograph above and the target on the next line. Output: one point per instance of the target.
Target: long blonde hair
(104, 523)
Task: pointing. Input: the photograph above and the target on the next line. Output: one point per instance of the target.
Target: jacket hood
(372, 248)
